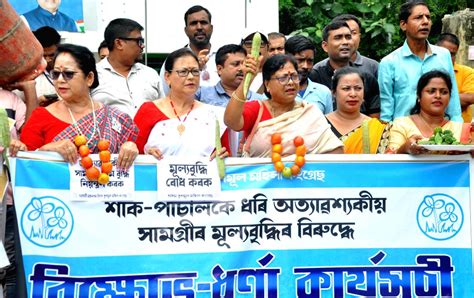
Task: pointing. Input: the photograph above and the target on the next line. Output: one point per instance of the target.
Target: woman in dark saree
(54, 128)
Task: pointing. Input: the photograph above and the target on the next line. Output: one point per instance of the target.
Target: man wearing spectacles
(124, 82)
(303, 50)
(257, 83)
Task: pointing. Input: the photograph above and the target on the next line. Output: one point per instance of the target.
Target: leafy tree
(380, 25)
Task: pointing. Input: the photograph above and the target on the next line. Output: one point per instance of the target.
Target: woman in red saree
(281, 113)
(53, 128)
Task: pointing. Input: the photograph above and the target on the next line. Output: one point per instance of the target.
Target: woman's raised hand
(203, 58)
(127, 154)
(251, 64)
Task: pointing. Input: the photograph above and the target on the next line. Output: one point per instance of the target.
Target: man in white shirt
(198, 29)
(124, 82)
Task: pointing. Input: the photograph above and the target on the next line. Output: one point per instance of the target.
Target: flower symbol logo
(47, 221)
(58, 219)
(431, 206)
(440, 216)
(39, 209)
(449, 214)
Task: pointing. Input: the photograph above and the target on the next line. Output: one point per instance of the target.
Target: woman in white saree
(179, 125)
(281, 113)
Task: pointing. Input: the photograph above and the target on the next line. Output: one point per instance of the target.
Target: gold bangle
(234, 96)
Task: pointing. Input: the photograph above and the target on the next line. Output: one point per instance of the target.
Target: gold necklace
(431, 129)
(181, 128)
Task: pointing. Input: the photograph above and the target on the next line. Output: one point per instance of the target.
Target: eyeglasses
(67, 74)
(139, 40)
(248, 43)
(286, 79)
(185, 72)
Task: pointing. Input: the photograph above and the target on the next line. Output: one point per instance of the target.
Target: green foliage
(441, 137)
(380, 25)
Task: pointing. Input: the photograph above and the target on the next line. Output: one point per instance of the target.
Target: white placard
(470, 53)
(188, 178)
(120, 187)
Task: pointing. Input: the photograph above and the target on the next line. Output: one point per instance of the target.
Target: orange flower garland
(92, 172)
(277, 149)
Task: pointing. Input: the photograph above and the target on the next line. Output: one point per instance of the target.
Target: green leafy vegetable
(441, 137)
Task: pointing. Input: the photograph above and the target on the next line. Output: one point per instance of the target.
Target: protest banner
(347, 226)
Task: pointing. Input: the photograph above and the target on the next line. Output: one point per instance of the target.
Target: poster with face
(64, 15)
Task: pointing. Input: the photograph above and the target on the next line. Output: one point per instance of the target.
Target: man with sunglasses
(124, 82)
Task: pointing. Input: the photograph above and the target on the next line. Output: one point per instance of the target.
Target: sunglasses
(67, 74)
(139, 40)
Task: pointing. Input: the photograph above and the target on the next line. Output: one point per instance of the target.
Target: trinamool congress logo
(47, 221)
(440, 217)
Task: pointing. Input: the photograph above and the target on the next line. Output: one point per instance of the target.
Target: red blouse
(41, 128)
(250, 115)
(148, 115)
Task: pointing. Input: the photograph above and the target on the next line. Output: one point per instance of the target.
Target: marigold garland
(277, 149)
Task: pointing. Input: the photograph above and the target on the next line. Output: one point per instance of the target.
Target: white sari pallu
(198, 138)
(306, 120)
